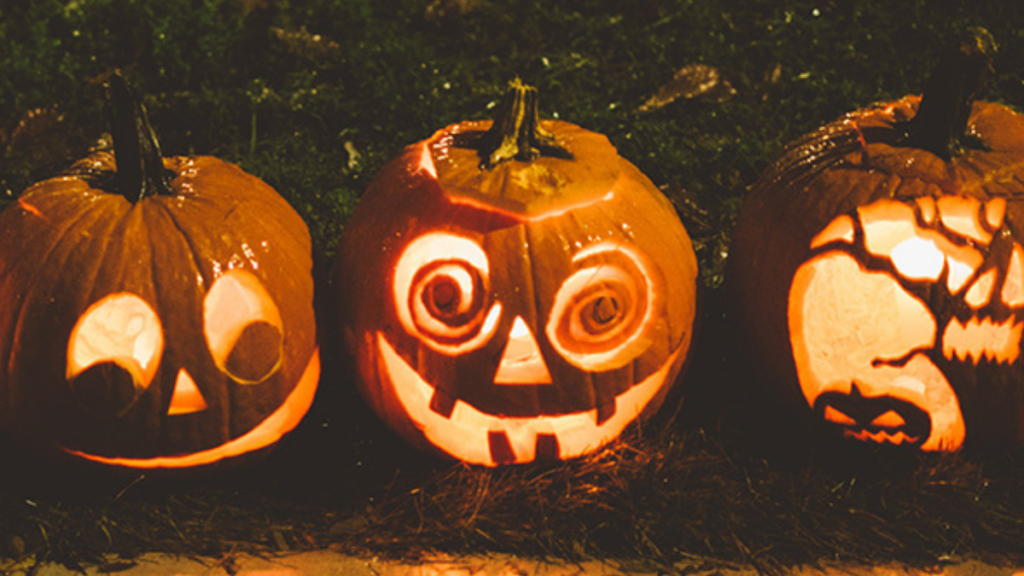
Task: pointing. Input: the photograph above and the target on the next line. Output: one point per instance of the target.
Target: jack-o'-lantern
(515, 291)
(878, 264)
(157, 311)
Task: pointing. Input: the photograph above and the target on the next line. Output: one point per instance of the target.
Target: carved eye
(601, 312)
(243, 327)
(441, 293)
(114, 352)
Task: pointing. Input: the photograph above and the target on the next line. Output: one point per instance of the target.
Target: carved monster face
(898, 311)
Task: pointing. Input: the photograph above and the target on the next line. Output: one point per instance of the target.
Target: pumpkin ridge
(990, 177)
(231, 427)
(802, 162)
(63, 239)
(529, 236)
(194, 254)
(256, 194)
(31, 294)
(270, 230)
(117, 232)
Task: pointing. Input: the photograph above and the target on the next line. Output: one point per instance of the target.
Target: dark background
(315, 96)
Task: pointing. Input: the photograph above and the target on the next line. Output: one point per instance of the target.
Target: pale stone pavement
(327, 563)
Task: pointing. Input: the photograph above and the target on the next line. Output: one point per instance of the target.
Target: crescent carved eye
(601, 313)
(243, 327)
(442, 294)
(114, 352)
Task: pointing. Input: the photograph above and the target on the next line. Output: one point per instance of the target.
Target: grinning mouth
(884, 419)
(472, 436)
(269, 431)
(897, 438)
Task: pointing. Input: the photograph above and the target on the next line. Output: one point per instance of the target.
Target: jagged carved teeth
(882, 436)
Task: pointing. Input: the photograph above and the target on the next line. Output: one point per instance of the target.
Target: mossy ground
(314, 96)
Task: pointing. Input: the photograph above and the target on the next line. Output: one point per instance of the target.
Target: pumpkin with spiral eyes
(158, 311)
(515, 290)
(879, 269)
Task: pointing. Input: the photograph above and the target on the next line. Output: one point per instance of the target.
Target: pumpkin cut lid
(519, 164)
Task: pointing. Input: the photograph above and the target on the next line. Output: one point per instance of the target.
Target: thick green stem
(516, 132)
(940, 125)
(140, 165)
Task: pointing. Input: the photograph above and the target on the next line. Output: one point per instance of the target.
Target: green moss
(378, 75)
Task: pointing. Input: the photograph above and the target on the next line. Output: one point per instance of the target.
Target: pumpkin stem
(140, 165)
(940, 125)
(516, 131)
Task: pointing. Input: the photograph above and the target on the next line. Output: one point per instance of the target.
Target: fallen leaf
(445, 11)
(315, 47)
(693, 81)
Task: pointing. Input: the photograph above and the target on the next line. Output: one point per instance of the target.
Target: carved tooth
(546, 447)
(995, 211)
(1013, 286)
(500, 447)
(442, 404)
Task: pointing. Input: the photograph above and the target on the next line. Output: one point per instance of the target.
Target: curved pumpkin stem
(140, 165)
(516, 131)
(940, 125)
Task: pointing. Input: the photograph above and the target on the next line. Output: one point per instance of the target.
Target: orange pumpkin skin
(110, 338)
(461, 291)
(883, 285)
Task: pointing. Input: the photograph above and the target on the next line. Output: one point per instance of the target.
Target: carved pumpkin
(515, 291)
(157, 312)
(878, 264)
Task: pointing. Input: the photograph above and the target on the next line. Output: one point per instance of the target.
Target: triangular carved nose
(186, 398)
(522, 362)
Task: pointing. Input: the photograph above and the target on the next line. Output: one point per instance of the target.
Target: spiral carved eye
(441, 293)
(601, 312)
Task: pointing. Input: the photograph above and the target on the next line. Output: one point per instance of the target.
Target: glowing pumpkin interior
(893, 299)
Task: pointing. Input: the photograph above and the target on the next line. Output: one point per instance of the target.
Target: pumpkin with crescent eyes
(879, 267)
(158, 311)
(515, 290)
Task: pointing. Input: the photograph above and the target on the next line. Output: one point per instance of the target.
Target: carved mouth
(470, 435)
(876, 419)
(266, 433)
(882, 437)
